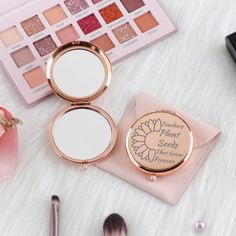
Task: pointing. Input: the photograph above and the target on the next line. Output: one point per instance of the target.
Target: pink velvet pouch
(168, 188)
(8, 147)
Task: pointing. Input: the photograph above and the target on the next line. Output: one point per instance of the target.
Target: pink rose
(8, 146)
(2, 129)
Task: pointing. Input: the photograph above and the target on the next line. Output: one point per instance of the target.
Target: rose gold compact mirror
(83, 133)
(159, 143)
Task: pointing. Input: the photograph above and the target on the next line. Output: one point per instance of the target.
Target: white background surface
(191, 70)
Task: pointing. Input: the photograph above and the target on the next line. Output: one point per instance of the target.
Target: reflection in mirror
(82, 134)
(78, 73)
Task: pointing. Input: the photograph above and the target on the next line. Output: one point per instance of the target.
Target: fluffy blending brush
(55, 204)
(115, 225)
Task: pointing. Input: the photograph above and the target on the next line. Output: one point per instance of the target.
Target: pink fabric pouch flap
(8, 147)
(168, 188)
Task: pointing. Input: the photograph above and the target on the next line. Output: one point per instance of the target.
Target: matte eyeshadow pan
(54, 15)
(67, 34)
(146, 22)
(32, 25)
(22, 56)
(76, 6)
(35, 77)
(89, 24)
(132, 5)
(10, 36)
(124, 32)
(45, 46)
(104, 42)
(111, 13)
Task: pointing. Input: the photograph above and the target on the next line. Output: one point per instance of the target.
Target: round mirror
(79, 71)
(83, 134)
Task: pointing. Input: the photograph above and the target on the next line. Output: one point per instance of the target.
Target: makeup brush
(115, 225)
(55, 203)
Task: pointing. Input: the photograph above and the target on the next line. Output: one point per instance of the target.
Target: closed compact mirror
(159, 143)
(82, 133)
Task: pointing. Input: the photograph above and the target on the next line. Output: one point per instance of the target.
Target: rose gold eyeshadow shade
(76, 6)
(146, 22)
(89, 24)
(104, 42)
(35, 77)
(67, 34)
(54, 15)
(32, 25)
(22, 56)
(10, 36)
(111, 13)
(132, 5)
(45, 46)
(124, 33)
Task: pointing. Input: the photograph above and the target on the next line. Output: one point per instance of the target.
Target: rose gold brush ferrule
(55, 204)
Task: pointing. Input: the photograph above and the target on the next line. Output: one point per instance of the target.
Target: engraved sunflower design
(144, 139)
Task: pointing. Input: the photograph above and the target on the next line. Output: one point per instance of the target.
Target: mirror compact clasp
(153, 178)
(85, 166)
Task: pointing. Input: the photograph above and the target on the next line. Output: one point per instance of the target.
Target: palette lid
(12, 5)
(79, 72)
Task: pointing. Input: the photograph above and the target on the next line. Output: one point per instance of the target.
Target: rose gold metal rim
(79, 45)
(92, 160)
(169, 170)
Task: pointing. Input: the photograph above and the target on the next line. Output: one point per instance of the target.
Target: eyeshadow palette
(30, 33)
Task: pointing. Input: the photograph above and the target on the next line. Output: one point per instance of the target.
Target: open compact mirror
(159, 143)
(83, 133)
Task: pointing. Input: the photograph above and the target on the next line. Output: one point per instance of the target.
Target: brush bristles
(55, 199)
(114, 225)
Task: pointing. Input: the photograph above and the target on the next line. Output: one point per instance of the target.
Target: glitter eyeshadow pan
(89, 24)
(111, 13)
(32, 25)
(124, 32)
(76, 6)
(45, 46)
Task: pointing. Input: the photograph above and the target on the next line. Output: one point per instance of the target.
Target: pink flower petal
(152, 155)
(139, 138)
(145, 128)
(140, 132)
(151, 125)
(8, 150)
(2, 130)
(141, 149)
(138, 144)
(158, 125)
